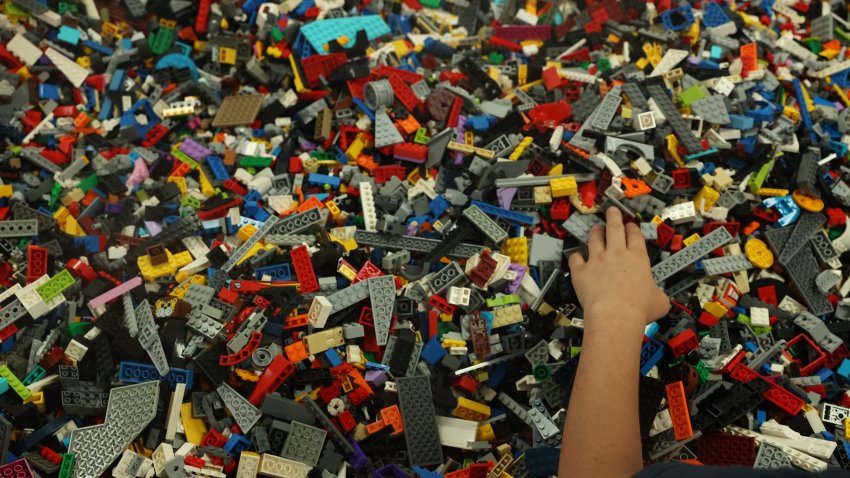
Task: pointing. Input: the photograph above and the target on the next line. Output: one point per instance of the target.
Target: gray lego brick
(635, 95)
(538, 354)
(247, 245)
(19, 228)
(803, 270)
(245, 414)
(11, 313)
(149, 337)
(712, 109)
(413, 244)
(818, 331)
(304, 443)
(420, 424)
(131, 408)
(382, 298)
(606, 110)
(808, 224)
(674, 119)
(690, 254)
(485, 224)
(446, 277)
(579, 225)
(725, 264)
(771, 457)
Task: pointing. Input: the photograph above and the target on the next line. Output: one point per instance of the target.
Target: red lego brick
(368, 270)
(36, 263)
(415, 153)
(304, 269)
(404, 94)
(683, 343)
(321, 65)
(382, 174)
(203, 16)
(273, 377)
(721, 449)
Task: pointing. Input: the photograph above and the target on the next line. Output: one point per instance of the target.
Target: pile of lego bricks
(327, 238)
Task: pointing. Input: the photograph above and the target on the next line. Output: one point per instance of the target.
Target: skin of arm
(615, 287)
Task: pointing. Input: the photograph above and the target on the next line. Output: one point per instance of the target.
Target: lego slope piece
(417, 411)
(382, 297)
(131, 408)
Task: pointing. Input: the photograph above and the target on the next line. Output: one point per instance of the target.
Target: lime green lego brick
(421, 136)
(757, 179)
(691, 94)
(16, 384)
(55, 285)
(255, 162)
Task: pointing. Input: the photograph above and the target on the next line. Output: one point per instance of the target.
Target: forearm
(601, 436)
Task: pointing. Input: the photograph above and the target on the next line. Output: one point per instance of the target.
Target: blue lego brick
(504, 213)
(319, 33)
(90, 244)
(714, 16)
(98, 47)
(132, 372)
(842, 78)
(253, 195)
(47, 91)
(838, 147)
(497, 374)
(825, 375)
(433, 351)
(761, 417)
(678, 19)
(5, 348)
(217, 168)
(423, 473)
(740, 122)
(650, 354)
(843, 371)
(178, 61)
(236, 443)
(365, 109)
(749, 144)
(323, 179)
(438, 206)
(333, 357)
(339, 155)
(277, 272)
(479, 123)
(804, 113)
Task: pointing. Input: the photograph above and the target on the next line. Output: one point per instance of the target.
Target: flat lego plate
(238, 110)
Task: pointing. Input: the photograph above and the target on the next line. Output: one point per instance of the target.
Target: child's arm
(619, 297)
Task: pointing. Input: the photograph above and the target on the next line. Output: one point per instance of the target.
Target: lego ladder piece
(130, 409)
(690, 254)
(420, 423)
(149, 337)
(382, 297)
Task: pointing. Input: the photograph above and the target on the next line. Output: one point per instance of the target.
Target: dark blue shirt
(683, 470)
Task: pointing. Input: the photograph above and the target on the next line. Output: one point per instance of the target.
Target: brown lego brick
(238, 110)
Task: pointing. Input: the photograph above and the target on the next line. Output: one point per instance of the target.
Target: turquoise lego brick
(323, 31)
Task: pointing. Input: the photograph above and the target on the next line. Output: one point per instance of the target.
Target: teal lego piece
(323, 31)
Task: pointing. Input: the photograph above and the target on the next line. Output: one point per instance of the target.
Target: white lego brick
(760, 316)
(24, 50)
(75, 73)
(174, 411)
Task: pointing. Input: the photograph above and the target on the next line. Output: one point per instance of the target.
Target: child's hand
(615, 280)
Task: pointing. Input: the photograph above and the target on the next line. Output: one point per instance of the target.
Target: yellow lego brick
(207, 188)
(245, 232)
(446, 343)
(716, 309)
(556, 170)
(758, 253)
(772, 192)
(673, 148)
(251, 253)
(471, 410)
(333, 208)
(194, 428)
(485, 433)
(347, 271)
(517, 152)
(563, 187)
(355, 148)
(705, 198)
(227, 56)
(517, 249)
(691, 239)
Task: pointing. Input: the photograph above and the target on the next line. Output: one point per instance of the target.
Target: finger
(595, 242)
(634, 238)
(615, 235)
(576, 261)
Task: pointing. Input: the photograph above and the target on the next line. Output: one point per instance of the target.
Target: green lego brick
(255, 162)
(757, 179)
(691, 94)
(67, 465)
(55, 285)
